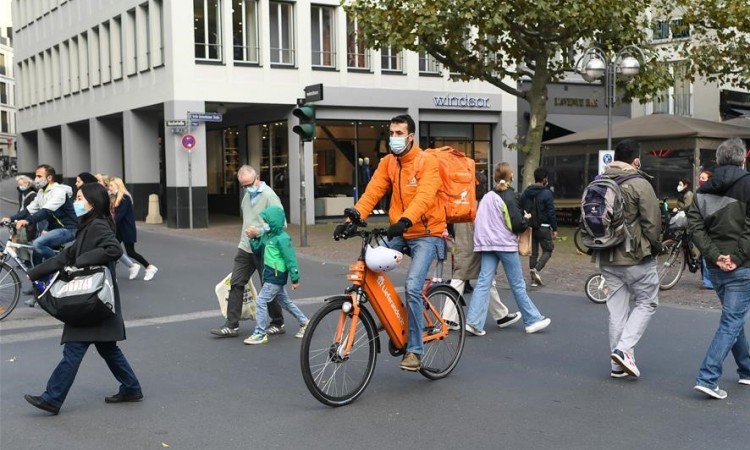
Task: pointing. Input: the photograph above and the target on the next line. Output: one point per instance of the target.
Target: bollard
(153, 215)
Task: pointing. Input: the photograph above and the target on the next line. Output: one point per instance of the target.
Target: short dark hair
(405, 118)
(627, 150)
(49, 170)
(540, 174)
(686, 182)
(98, 198)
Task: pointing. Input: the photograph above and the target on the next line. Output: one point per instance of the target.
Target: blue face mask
(252, 190)
(397, 144)
(79, 209)
(23, 188)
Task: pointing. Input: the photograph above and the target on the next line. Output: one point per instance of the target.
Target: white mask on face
(680, 187)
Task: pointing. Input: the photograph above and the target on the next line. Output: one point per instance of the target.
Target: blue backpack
(603, 214)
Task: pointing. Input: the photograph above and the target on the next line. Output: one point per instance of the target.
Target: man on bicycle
(417, 223)
(53, 203)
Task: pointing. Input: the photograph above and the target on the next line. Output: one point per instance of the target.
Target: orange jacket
(415, 181)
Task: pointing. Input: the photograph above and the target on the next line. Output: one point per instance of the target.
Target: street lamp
(595, 63)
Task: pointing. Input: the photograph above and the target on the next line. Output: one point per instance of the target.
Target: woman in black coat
(95, 244)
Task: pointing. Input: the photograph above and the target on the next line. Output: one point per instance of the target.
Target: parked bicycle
(341, 343)
(676, 253)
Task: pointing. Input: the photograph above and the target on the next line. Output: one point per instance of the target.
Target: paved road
(545, 391)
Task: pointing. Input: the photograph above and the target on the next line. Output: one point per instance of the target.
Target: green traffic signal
(306, 127)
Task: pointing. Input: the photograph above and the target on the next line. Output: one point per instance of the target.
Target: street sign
(188, 142)
(207, 117)
(176, 123)
(314, 93)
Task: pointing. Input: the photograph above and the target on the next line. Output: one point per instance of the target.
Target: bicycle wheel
(10, 290)
(596, 288)
(333, 378)
(670, 264)
(578, 241)
(441, 356)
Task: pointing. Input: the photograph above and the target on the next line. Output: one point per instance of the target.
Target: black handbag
(80, 297)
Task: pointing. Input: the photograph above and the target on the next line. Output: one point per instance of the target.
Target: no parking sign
(188, 142)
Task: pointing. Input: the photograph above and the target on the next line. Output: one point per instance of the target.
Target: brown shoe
(410, 362)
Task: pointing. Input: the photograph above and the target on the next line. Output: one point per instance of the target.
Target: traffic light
(306, 127)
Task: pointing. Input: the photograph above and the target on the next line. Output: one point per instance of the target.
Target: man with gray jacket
(258, 196)
(630, 270)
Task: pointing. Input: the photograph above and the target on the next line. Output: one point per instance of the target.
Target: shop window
(322, 25)
(245, 31)
(281, 25)
(207, 29)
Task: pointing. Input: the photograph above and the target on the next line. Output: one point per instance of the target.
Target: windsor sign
(452, 101)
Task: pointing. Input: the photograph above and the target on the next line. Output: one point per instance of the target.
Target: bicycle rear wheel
(670, 264)
(332, 377)
(10, 290)
(596, 288)
(441, 356)
(578, 241)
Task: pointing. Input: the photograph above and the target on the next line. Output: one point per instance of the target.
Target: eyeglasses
(245, 186)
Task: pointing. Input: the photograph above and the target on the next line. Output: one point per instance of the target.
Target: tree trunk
(537, 98)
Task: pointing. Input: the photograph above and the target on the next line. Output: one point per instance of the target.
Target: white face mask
(680, 187)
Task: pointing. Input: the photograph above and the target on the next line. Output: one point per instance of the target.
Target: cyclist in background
(417, 224)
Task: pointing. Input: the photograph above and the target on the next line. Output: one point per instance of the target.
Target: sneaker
(510, 319)
(410, 362)
(745, 381)
(150, 272)
(533, 284)
(256, 339)
(302, 330)
(711, 392)
(226, 331)
(133, 271)
(475, 331)
(30, 302)
(453, 326)
(275, 329)
(535, 278)
(538, 326)
(618, 374)
(626, 361)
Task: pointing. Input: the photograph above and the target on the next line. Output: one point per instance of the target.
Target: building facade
(99, 82)
(7, 87)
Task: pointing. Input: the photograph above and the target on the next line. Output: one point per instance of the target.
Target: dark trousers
(245, 264)
(130, 250)
(541, 237)
(65, 373)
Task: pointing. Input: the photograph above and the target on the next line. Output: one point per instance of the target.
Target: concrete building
(7, 86)
(98, 79)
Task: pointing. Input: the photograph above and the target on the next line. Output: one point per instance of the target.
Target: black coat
(125, 221)
(95, 244)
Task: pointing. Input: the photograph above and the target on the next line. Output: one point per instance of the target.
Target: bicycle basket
(679, 221)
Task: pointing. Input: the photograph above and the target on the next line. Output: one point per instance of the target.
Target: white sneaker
(133, 271)
(538, 326)
(150, 272)
(475, 331)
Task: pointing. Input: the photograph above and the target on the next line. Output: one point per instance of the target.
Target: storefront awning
(578, 122)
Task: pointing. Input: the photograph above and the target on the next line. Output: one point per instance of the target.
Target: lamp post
(595, 63)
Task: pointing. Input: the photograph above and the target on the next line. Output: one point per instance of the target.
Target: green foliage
(718, 49)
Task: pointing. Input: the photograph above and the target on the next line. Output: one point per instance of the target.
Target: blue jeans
(733, 289)
(65, 373)
(480, 299)
(423, 251)
(267, 293)
(45, 244)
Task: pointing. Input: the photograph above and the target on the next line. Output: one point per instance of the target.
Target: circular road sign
(188, 142)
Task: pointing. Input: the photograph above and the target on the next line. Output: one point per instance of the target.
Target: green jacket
(279, 260)
(251, 207)
(641, 212)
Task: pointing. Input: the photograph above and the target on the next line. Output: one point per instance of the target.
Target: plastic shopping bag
(248, 297)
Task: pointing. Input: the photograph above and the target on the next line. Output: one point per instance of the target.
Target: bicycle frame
(8, 250)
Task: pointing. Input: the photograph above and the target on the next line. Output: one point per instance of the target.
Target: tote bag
(524, 242)
(248, 297)
(80, 297)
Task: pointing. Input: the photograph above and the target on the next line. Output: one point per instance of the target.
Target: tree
(720, 39)
(505, 42)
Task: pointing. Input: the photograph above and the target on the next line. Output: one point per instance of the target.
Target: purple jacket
(499, 218)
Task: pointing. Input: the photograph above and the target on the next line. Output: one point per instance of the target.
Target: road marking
(135, 323)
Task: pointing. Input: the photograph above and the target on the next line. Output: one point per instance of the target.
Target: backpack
(457, 193)
(603, 214)
(530, 206)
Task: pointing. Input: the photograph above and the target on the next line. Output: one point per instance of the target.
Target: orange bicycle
(341, 343)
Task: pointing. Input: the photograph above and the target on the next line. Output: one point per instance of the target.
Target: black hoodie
(545, 204)
(718, 219)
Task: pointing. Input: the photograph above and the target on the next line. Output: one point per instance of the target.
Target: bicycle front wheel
(670, 264)
(441, 355)
(10, 290)
(332, 376)
(596, 288)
